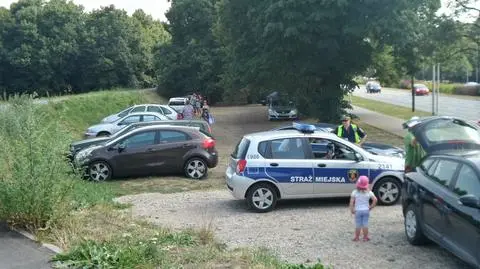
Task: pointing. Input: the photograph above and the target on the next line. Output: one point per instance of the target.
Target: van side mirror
(470, 201)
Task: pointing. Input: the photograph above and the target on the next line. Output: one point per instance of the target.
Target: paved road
(448, 105)
(18, 252)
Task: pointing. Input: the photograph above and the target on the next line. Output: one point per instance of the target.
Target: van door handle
(185, 145)
(274, 164)
(321, 165)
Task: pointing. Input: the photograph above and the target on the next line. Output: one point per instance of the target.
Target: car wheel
(196, 168)
(413, 229)
(101, 134)
(262, 197)
(388, 191)
(99, 171)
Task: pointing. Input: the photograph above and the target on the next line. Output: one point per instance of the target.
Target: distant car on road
(421, 89)
(162, 109)
(372, 147)
(441, 199)
(109, 128)
(150, 150)
(373, 87)
(471, 84)
(79, 145)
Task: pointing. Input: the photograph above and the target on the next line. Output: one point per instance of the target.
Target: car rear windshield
(443, 131)
(241, 149)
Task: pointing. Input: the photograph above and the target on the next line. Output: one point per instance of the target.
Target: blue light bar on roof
(304, 127)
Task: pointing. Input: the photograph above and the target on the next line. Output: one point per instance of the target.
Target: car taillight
(208, 143)
(241, 164)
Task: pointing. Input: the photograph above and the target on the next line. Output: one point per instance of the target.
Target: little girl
(360, 207)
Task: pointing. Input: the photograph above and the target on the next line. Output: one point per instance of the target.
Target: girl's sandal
(356, 239)
(365, 239)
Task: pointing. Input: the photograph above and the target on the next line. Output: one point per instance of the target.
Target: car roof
(268, 135)
(148, 105)
(144, 113)
(470, 155)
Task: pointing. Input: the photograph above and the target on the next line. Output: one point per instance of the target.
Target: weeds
(36, 189)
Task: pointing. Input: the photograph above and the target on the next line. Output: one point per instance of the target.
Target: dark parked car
(150, 150)
(79, 145)
(441, 199)
(372, 147)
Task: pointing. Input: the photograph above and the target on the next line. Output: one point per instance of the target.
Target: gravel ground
(297, 231)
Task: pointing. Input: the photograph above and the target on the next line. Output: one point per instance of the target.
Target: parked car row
(146, 139)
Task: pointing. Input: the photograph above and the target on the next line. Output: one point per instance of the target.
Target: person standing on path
(414, 152)
(350, 132)
(188, 111)
(360, 207)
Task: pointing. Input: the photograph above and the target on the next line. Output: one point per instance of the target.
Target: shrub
(36, 188)
(473, 90)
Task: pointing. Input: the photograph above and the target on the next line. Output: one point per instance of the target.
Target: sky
(157, 8)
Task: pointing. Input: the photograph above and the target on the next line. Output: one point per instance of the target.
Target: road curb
(30, 236)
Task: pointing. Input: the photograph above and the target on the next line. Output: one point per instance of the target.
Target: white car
(165, 110)
(109, 128)
(178, 103)
(304, 163)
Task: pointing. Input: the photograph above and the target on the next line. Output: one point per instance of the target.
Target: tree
(191, 61)
(308, 49)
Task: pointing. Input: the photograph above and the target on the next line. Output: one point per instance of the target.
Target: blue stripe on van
(306, 175)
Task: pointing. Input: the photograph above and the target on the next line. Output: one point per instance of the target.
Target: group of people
(197, 106)
(360, 205)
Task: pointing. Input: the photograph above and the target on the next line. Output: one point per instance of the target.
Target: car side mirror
(470, 201)
(358, 157)
(119, 147)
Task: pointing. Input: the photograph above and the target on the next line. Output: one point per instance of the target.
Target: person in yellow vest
(350, 132)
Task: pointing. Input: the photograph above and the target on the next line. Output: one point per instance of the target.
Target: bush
(473, 90)
(36, 188)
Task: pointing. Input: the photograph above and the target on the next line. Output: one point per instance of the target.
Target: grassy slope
(387, 109)
(106, 235)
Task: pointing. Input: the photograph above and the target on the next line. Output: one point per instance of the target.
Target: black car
(79, 145)
(150, 150)
(372, 147)
(441, 199)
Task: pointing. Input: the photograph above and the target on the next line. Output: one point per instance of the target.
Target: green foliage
(37, 188)
(191, 61)
(307, 48)
(80, 111)
(54, 47)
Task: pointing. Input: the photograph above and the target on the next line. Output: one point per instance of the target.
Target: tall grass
(37, 189)
(78, 112)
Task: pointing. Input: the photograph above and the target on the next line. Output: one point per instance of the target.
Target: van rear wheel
(262, 198)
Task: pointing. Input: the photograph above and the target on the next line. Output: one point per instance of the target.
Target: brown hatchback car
(151, 150)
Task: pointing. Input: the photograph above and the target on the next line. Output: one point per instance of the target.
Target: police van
(304, 163)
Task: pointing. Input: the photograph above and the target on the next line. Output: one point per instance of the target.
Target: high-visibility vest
(354, 127)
